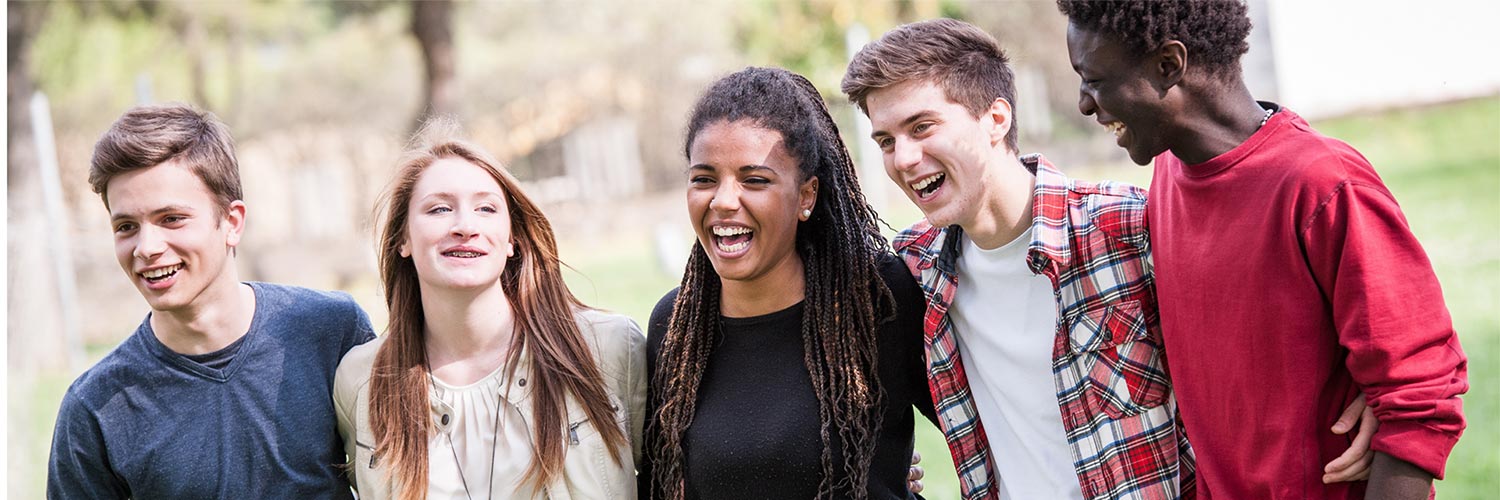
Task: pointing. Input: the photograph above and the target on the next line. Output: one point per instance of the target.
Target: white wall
(1337, 56)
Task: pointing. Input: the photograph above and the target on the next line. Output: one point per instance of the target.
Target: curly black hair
(1214, 31)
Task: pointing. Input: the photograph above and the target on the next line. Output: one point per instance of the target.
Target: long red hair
(545, 329)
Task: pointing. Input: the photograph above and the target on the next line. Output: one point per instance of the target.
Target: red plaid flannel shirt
(1107, 361)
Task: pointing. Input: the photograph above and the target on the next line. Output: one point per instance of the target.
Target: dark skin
(1165, 103)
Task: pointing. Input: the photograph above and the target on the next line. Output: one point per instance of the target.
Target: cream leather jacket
(588, 471)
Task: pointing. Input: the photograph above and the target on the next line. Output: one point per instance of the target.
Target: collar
(1050, 241)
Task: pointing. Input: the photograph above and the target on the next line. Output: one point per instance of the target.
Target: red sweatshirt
(1288, 282)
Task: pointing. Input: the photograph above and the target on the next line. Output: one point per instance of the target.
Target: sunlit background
(585, 101)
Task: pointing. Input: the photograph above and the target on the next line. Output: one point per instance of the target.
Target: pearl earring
(806, 213)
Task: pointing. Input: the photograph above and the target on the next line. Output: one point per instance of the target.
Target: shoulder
(305, 309)
(353, 372)
(614, 335)
(919, 235)
(662, 313)
(1317, 160)
(910, 302)
(122, 368)
(1116, 208)
(302, 304)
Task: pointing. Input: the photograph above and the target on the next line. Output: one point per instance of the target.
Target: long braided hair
(845, 302)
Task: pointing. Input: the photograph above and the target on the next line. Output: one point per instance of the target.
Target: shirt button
(522, 382)
(445, 419)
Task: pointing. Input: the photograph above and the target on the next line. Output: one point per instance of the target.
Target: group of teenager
(1266, 326)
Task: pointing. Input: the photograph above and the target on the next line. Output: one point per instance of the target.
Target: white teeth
(733, 248)
(1116, 127)
(730, 230)
(158, 273)
(462, 254)
(922, 184)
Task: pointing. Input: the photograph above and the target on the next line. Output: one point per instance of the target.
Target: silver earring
(806, 213)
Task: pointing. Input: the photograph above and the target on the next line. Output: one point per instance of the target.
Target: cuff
(1415, 443)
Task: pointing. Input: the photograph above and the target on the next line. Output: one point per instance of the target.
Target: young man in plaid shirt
(1057, 316)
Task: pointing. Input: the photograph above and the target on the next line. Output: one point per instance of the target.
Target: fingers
(914, 477)
(1351, 415)
(916, 457)
(1358, 470)
(1354, 463)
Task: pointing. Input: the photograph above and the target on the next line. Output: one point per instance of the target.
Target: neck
(779, 289)
(1005, 207)
(467, 332)
(1225, 117)
(217, 317)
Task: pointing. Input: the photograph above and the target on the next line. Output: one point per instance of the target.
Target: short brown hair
(147, 136)
(960, 58)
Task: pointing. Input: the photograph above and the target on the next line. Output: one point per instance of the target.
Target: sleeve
(344, 395)
(79, 466)
(635, 387)
(1390, 315)
(362, 332)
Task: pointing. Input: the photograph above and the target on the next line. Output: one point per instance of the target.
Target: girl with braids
(787, 362)
(493, 380)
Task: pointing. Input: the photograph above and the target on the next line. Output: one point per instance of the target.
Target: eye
(124, 227)
(489, 209)
(440, 209)
(700, 180)
(758, 181)
(922, 127)
(173, 219)
(885, 143)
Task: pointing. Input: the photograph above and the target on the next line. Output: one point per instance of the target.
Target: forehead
(171, 183)
(454, 176)
(724, 144)
(1089, 49)
(889, 106)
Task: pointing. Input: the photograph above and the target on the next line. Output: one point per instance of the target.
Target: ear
(807, 196)
(234, 217)
(405, 249)
(1000, 114)
(1168, 65)
(510, 249)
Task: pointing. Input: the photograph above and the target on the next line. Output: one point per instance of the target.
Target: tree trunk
(432, 24)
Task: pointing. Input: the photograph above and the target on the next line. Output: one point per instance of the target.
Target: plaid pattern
(1107, 359)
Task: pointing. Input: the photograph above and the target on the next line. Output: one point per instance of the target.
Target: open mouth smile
(926, 186)
(732, 240)
(160, 274)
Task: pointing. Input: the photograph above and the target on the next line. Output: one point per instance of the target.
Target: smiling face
(171, 238)
(935, 150)
(745, 196)
(458, 227)
(1116, 90)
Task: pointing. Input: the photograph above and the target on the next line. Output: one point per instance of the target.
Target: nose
(1086, 104)
(905, 155)
(149, 243)
(464, 225)
(726, 198)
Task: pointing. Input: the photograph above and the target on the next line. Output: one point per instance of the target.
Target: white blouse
(468, 441)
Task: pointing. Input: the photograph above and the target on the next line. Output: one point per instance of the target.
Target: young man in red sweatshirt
(1288, 280)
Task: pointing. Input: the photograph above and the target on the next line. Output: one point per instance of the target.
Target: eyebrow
(746, 168)
(448, 195)
(920, 115)
(169, 208)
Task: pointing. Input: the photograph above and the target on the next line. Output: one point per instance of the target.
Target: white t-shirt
(1005, 320)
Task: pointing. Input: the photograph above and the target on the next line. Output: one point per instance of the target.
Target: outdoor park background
(586, 100)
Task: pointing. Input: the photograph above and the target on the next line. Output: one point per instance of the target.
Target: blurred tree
(432, 25)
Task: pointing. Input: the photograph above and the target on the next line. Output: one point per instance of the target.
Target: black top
(755, 431)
